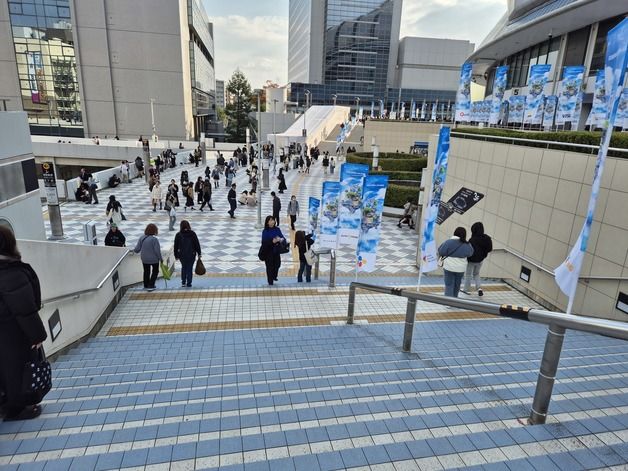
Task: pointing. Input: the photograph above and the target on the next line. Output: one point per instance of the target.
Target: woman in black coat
(21, 328)
(282, 181)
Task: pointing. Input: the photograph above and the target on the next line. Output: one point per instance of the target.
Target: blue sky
(252, 35)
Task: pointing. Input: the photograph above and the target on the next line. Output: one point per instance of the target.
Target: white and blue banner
(350, 204)
(423, 110)
(403, 110)
(373, 196)
(549, 111)
(570, 93)
(361, 112)
(463, 97)
(313, 214)
(372, 109)
(429, 254)
(382, 110)
(434, 107)
(536, 85)
(598, 107)
(413, 110)
(499, 87)
(622, 112)
(568, 272)
(516, 108)
(329, 215)
(392, 107)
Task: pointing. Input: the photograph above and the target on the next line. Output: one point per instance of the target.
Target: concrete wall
(535, 203)
(397, 135)
(9, 86)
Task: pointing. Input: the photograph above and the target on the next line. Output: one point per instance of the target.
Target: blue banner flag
(463, 97)
(329, 216)
(423, 109)
(536, 85)
(350, 204)
(403, 110)
(313, 214)
(434, 105)
(372, 109)
(570, 93)
(598, 108)
(568, 272)
(429, 256)
(549, 111)
(516, 109)
(373, 196)
(499, 87)
(413, 110)
(622, 112)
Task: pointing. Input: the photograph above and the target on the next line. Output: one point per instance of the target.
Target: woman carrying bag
(114, 211)
(304, 243)
(273, 245)
(186, 249)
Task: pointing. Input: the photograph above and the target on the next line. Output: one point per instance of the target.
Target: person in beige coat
(156, 195)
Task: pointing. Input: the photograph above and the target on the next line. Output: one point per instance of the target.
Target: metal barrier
(332, 264)
(558, 322)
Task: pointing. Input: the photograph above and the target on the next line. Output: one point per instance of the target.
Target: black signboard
(50, 183)
(116, 280)
(622, 302)
(525, 274)
(460, 203)
(54, 324)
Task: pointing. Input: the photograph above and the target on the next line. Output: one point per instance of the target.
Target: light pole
(334, 97)
(307, 105)
(152, 116)
(259, 224)
(357, 106)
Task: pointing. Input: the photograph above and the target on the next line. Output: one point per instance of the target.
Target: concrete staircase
(336, 397)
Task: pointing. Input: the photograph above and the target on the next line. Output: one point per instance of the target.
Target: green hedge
(386, 155)
(397, 195)
(415, 176)
(415, 164)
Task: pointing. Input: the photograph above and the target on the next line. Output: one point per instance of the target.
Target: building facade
(220, 94)
(87, 68)
(558, 32)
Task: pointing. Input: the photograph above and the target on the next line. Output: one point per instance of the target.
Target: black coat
(276, 205)
(115, 239)
(20, 326)
(482, 245)
(186, 246)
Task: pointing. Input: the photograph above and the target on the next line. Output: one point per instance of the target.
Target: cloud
(258, 46)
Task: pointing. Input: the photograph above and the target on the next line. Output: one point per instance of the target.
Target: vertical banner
(413, 110)
(568, 272)
(570, 93)
(463, 97)
(313, 212)
(373, 196)
(516, 109)
(499, 87)
(423, 109)
(372, 109)
(622, 112)
(403, 110)
(350, 203)
(549, 111)
(536, 84)
(35, 70)
(598, 108)
(429, 256)
(329, 216)
(434, 106)
(361, 112)
(382, 111)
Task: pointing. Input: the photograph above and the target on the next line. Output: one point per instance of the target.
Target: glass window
(576, 46)
(552, 55)
(525, 65)
(15, 8)
(599, 51)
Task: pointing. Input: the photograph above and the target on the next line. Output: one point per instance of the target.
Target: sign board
(50, 183)
(525, 274)
(460, 203)
(115, 280)
(622, 302)
(54, 324)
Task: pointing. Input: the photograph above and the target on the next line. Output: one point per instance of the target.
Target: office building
(87, 68)
(220, 94)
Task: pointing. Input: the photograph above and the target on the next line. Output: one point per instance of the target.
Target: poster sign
(536, 84)
(313, 212)
(329, 216)
(463, 96)
(50, 183)
(549, 111)
(429, 255)
(598, 108)
(423, 109)
(35, 76)
(499, 87)
(517, 104)
(570, 94)
(622, 111)
(350, 205)
(373, 197)
(460, 203)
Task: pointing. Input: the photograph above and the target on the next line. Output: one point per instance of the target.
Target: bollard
(332, 270)
(547, 375)
(317, 266)
(351, 305)
(409, 327)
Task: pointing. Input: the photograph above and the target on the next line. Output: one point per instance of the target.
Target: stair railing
(558, 322)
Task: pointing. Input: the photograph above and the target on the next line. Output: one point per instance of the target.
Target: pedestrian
(308, 164)
(188, 191)
(276, 207)
(228, 176)
(325, 163)
(233, 202)
(21, 328)
(173, 189)
(216, 177)
(207, 195)
(293, 210)
(408, 211)
(271, 249)
(482, 245)
(170, 207)
(139, 166)
(156, 195)
(114, 211)
(282, 181)
(332, 165)
(114, 238)
(453, 255)
(124, 171)
(198, 189)
(92, 187)
(150, 253)
(186, 249)
(303, 243)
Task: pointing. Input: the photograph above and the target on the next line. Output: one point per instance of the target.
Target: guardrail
(332, 265)
(558, 322)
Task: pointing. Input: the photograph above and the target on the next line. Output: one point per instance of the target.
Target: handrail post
(409, 327)
(351, 309)
(547, 374)
(317, 266)
(332, 269)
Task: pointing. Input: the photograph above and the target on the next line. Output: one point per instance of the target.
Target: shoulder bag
(37, 376)
(200, 267)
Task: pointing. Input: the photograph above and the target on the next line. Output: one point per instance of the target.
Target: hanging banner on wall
(373, 196)
(35, 76)
(403, 110)
(429, 255)
(536, 84)
(423, 109)
(598, 108)
(549, 111)
(413, 110)
(350, 203)
(499, 87)
(570, 93)
(434, 106)
(372, 109)
(313, 213)
(361, 112)
(463, 96)
(622, 112)
(568, 272)
(382, 110)
(329, 216)
(516, 108)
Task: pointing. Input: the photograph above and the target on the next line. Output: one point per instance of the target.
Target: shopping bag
(166, 272)
(200, 268)
(37, 376)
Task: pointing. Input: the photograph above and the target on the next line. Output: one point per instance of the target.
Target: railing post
(409, 327)
(317, 266)
(351, 310)
(547, 374)
(332, 269)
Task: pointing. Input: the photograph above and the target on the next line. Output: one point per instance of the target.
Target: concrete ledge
(393, 212)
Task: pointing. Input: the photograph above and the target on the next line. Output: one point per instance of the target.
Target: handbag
(310, 256)
(284, 247)
(37, 376)
(199, 269)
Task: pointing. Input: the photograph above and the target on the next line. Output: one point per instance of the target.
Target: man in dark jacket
(114, 237)
(233, 201)
(276, 207)
(186, 249)
(482, 245)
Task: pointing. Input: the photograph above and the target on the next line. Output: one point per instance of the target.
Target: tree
(239, 90)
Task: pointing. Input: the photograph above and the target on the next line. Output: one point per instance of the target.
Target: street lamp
(357, 106)
(334, 97)
(307, 105)
(259, 224)
(152, 116)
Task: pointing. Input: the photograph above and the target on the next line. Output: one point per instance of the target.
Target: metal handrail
(77, 294)
(332, 264)
(558, 322)
(551, 272)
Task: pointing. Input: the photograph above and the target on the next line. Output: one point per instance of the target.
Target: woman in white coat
(156, 196)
